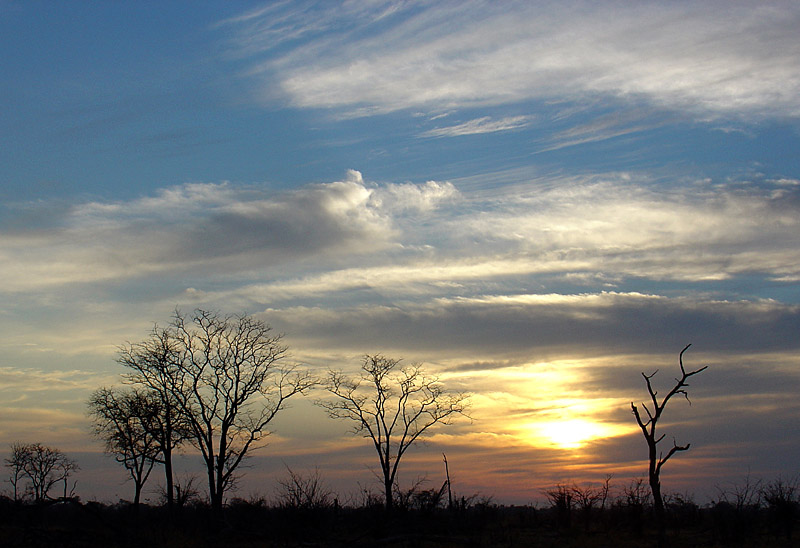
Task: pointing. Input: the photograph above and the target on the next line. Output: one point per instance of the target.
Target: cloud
(712, 58)
(480, 125)
(537, 326)
(214, 225)
(604, 127)
(24, 381)
(409, 240)
(559, 233)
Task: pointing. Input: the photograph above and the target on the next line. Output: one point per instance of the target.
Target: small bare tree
(588, 498)
(129, 424)
(561, 499)
(392, 406)
(42, 466)
(657, 459)
(16, 463)
(308, 492)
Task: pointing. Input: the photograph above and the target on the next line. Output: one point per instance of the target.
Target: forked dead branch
(657, 458)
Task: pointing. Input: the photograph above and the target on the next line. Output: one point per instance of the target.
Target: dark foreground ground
(245, 525)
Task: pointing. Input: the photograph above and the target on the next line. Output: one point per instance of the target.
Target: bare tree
(657, 459)
(230, 381)
(782, 497)
(129, 423)
(300, 491)
(42, 466)
(16, 463)
(561, 498)
(587, 498)
(392, 406)
(153, 365)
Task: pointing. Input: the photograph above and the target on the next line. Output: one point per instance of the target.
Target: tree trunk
(137, 496)
(213, 494)
(387, 485)
(658, 510)
(168, 477)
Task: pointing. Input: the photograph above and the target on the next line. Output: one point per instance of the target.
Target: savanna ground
(255, 523)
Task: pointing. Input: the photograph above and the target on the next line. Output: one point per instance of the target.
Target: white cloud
(708, 58)
(219, 227)
(479, 126)
(412, 197)
(406, 239)
(351, 243)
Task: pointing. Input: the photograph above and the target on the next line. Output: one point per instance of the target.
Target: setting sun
(570, 434)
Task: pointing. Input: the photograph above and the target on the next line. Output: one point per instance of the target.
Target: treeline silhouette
(215, 382)
(304, 512)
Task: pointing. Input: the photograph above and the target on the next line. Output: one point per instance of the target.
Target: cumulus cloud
(708, 58)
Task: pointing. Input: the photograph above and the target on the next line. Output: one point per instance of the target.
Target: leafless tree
(588, 498)
(186, 491)
(129, 422)
(230, 379)
(16, 463)
(392, 406)
(152, 364)
(299, 491)
(657, 459)
(42, 466)
(782, 497)
(561, 498)
(741, 496)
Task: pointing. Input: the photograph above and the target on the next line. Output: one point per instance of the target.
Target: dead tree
(392, 406)
(448, 483)
(657, 458)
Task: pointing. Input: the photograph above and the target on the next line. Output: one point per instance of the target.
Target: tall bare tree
(230, 380)
(152, 364)
(129, 424)
(657, 458)
(392, 406)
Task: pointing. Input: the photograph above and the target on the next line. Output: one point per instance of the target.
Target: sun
(570, 434)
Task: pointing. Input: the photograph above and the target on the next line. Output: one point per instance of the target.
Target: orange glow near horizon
(543, 404)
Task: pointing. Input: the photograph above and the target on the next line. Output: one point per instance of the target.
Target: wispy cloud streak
(707, 58)
(479, 126)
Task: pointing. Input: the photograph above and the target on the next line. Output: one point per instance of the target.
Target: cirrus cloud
(708, 58)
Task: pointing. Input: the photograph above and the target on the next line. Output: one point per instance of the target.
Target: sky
(537, 200)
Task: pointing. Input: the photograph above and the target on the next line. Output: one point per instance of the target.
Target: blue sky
(539, 200)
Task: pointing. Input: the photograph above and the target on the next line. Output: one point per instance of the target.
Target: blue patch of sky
(117, 100)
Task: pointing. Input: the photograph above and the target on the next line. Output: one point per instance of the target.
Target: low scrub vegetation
(304, 512)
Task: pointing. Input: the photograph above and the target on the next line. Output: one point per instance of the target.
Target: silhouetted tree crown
(393, 406)
(42, 467)
(228, 377)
